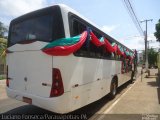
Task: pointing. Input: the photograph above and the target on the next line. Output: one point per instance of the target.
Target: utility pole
(145, 39)
(148, 43)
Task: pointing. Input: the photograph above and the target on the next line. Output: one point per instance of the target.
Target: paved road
(143, 97)
(140, 102)
(11, 106)
(127, 103)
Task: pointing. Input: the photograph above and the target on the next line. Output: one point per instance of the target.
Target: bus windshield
(38, 28)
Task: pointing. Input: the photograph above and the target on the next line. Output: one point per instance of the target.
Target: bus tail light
(7, 80)
(57, 83)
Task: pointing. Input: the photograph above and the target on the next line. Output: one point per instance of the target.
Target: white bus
(60, 83)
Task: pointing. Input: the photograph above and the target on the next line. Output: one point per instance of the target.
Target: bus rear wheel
(113, 89)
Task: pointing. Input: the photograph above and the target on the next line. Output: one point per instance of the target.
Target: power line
(133, 15)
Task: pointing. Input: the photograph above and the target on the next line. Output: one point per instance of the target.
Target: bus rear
(30, 74)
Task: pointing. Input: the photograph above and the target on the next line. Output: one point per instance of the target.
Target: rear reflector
(57, 88)
(7, 80)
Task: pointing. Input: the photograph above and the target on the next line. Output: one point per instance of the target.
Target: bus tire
(113, 88)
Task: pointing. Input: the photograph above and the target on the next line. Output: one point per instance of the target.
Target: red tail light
(7, 80)
(57, 83)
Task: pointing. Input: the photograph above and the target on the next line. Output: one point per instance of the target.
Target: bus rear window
(42, 25)
(39, 28)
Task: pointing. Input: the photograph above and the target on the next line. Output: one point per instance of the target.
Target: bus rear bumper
(56, 104)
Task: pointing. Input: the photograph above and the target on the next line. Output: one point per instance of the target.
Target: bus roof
(68, 9)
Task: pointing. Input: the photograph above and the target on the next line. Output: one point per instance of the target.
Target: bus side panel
(88, 79)
(102, 72)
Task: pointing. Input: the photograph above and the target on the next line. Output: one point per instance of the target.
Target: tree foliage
(157, 33)
(3, 46)
(3, 30)
(152, 56)
(3, 41)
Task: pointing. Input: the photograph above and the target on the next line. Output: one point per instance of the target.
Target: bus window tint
(39, 28)
(88, 49)
(78, 28)
(107, 55)
(94, 51)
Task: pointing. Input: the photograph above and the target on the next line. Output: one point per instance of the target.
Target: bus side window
(77, 29)
(94, 51)
(88, 49)
(107, 54)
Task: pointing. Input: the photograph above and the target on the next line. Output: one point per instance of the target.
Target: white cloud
(14, 8)
(109, 29)
(137, 42)
(132, 42)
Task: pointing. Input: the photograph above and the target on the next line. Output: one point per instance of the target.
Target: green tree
(3, 41)
(3, 46)
(152, 57)
(157, 33)
(3, 30)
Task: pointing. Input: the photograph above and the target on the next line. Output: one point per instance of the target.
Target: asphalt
(140, 102)
(137, 101)
(142, 98)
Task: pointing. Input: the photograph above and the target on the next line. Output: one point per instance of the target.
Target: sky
(110, 15)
